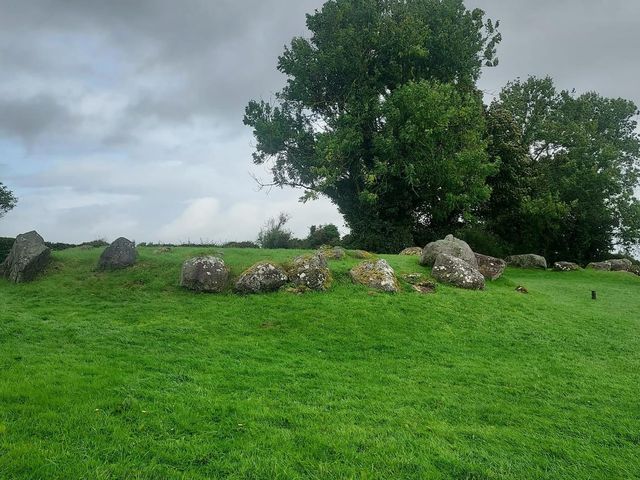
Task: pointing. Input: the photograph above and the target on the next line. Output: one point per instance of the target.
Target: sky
(121, 118)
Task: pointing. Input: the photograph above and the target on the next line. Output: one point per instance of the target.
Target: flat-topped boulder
(205, 274)
(262, 277)
(602, 266)
(491, 268)
(455, 271)
(450, 246)
(120, 254)
(28, 258)
(310, 272)
(566, 266)
(528, 260)
(620, 264)
(378, 275)
(412, 251)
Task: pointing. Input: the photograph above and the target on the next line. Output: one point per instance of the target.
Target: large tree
(380, 113)
(569, 167)
(7, 200)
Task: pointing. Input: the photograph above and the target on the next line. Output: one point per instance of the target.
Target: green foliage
(323, 235)
(5, 247)
(7, 200)
(568, 168)
(378, 102)
(274, 234)
(126, 375)
(243, 244)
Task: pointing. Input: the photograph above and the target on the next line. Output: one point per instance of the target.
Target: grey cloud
(29, 118)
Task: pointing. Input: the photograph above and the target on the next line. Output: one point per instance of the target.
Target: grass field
(124, 375)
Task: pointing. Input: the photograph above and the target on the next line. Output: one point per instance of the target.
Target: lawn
(124, 375)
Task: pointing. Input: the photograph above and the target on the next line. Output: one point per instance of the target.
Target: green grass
(125, 375)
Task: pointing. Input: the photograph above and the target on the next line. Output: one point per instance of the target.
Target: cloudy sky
(124, 117)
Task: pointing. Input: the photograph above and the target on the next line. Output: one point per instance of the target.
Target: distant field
(124, 375)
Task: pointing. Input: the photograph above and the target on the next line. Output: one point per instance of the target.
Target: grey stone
(528, 260)
(205, 274)
(261, 278)
(311, 272)
(378, 275)
(620, 265)
(120, 254)
(412, 251)
(455, 271)
(450, 246)
(603, 266)
(27, 259)
(360, 254)
(565, 266)
(491, 268)
(332, 253)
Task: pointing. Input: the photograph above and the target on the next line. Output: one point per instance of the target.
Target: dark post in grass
(594, 295)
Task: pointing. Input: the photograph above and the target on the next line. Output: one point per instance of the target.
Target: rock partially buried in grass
(565, 267)
(635, 269)
(602, 266)
(455, 271)
(205, 274)
(360, 254)
(449, 246)
(411, 251)
(27, 259)
(620, 265)
(120, 254)
(419, 283)
(332, 253)
(261, 278)
(528, 260)
(310, 272)
(491, 268)
(377, 275)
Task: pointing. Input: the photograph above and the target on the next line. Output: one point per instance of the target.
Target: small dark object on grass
(594, 295)
(522, 289)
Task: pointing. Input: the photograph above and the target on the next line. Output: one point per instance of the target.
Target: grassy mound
(126, 375)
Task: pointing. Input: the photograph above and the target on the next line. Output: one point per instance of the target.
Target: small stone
(261, 278)
(491, 268)
(378, 275)
(120, 254)
(205, 274)
(529, 260)
(565, 266)
(457, 272)
(412, 251)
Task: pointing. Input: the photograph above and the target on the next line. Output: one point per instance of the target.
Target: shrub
(244, 244)
(5, 247)
(323, 235)
(274, 235)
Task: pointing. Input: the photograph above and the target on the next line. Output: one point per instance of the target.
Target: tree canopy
(569, 167)
(380, 114)
(7, 200)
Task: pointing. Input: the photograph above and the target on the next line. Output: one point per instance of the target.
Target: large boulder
(27, 259)
(565, 266)
(377, 275)
(603, 266)
(412, 251)
(205, 274)
(261, 278)
(491, 268)
(120, 254)
(527, 261)
(457, 272)
(450, 246)
(620, 265)
(310, 272)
